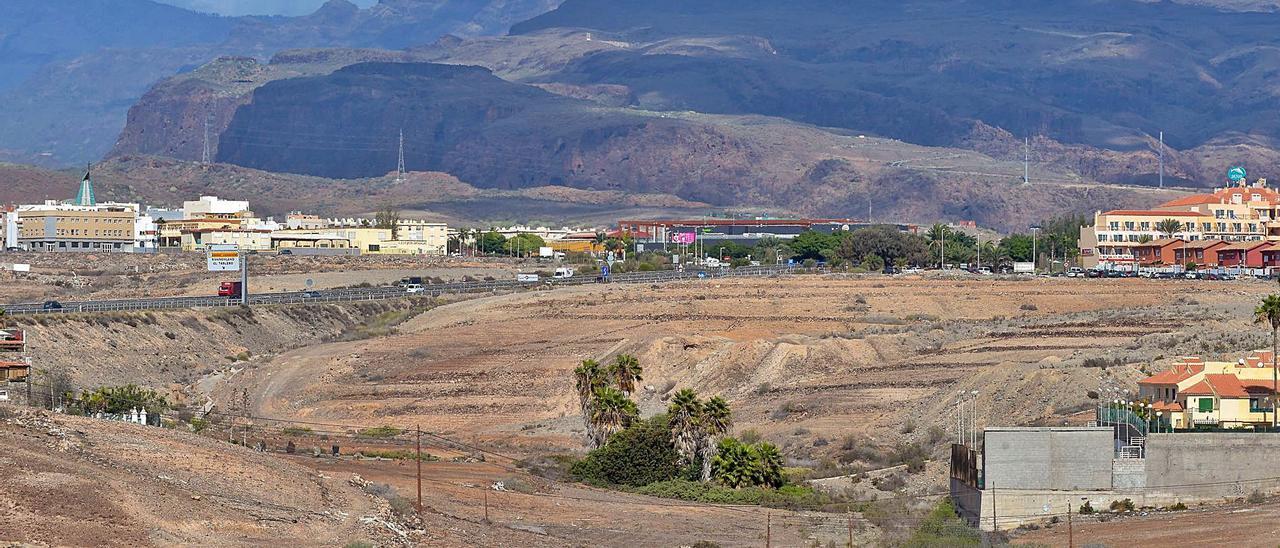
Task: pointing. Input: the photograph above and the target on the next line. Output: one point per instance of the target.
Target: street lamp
(1035, 263)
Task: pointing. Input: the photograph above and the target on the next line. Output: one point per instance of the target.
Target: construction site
(311, 418)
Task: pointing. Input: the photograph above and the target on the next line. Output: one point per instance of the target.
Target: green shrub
(381, 432)
(296, 430)
(646, 267)
(789, 496)
(1125, 505)
(943, 528)
(639, 455)
(397, 454)
(1086, 508)
(198, 425)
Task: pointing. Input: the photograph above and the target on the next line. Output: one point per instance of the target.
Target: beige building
(1239, 213)
(245, 239)
(1219, 394)
(58, 227)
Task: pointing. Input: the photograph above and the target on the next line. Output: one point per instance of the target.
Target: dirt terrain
(75, 276)
(1232, 525)
(822, 366)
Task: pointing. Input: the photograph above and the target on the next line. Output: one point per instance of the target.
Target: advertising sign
(223, 257)
(684, 238)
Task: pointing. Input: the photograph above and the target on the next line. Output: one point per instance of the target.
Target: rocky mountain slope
(70, 69)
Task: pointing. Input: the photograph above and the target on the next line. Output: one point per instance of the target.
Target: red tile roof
(1225, 195)
(1245, 246)
(1167, 406)
(1162, 242)
(1226, 386)
(1155, 212)
(1195, 199)
(1256, 385)
(1177, 374)
(1203, 244)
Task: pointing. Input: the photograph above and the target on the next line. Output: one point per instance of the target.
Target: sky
(257, 7)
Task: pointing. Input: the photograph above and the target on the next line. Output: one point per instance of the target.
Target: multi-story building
(1220, 394)
(1242, 213)
(102, 227)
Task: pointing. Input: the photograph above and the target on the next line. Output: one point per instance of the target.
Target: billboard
(1024, 268)
(223, 257)
(684, 237)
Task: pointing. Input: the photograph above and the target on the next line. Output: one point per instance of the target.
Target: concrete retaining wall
(1048, 458)
(1213, 464)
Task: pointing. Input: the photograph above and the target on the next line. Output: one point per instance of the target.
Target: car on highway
(286, 252)
(51, 305)
(310, 294)
(414, 288)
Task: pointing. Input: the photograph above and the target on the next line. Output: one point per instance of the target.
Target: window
(1219, 213)
(1206, 226)
(1146, 225)
(1128, 225)
(1114, 225)
(1101, 238)
(1253, 227)
(1235, 227)
(1206, 405)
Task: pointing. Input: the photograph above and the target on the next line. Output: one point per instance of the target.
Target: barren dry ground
(818, 365)
(1234, 525)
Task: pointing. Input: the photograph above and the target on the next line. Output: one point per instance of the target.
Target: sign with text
(223, 257)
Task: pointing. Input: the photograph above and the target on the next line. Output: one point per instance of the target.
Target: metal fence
(389, 292)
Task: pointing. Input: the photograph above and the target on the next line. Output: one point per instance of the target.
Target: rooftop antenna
(1026, 161)
(400, 163)
(204, 158)
(1161, 159)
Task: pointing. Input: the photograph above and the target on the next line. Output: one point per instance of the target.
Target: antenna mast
(1161, 159)
(1026, 161)
(204, 157)
(400, 163)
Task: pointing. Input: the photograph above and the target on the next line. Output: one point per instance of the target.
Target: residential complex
(1177, 232)
(1217, 394)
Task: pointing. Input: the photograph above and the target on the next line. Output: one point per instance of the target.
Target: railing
(1114, 416)
(393, 292)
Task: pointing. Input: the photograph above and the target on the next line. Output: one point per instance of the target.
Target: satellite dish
(1236, 174)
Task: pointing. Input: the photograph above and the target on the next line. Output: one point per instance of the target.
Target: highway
(384, 292)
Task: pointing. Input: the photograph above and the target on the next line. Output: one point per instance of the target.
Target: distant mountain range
(70, 69)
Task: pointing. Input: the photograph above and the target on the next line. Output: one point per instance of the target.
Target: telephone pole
(768, 529)
(418, 457)
(1071, 541)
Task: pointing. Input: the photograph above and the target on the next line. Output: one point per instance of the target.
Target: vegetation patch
(942, 527)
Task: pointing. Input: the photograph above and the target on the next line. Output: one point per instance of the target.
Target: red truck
(230, 289)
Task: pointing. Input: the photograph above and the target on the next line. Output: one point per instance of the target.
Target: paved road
(379, 292)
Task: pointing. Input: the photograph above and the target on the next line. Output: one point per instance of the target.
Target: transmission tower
(400, 163)
(204, 157)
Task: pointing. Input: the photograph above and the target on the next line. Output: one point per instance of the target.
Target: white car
(414, 288)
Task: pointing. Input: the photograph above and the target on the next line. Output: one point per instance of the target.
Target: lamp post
(1035, 260)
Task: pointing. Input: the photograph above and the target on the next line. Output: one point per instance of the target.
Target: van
(563, 273)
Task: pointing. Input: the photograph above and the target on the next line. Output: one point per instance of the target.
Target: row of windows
(79, 232)
(1204, 227)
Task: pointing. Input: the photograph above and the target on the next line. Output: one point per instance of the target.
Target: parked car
(1191, 276)
(1094, 273)
(51, 305)
(1075, 272)
(286, 252)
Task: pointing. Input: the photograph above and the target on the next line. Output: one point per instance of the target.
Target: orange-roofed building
(1218, 394)
(1120, 238)
(1243, 254)
(1157, 252)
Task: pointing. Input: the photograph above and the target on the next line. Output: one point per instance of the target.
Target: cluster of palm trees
(697, 427)
(1268, 312)
(604, 396)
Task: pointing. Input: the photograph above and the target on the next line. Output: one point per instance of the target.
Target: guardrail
(389, 292)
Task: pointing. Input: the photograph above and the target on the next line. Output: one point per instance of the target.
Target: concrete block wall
(1213, 464)
(1048, 458)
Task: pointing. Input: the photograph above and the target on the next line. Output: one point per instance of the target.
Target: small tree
(1169, 227)
(388, 218)
(626, 371)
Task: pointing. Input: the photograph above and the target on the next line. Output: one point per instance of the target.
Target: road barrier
(392, 292)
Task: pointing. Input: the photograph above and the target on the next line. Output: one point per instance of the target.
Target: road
(377, 293)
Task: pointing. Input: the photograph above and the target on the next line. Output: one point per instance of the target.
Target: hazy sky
(257, 7)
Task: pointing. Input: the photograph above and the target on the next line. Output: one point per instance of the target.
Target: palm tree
(1169, 227)
(716, 422)
(685, 413)
(1269, 313)
(612, 412)
(588, 378)
(626, 370)
(769, 465)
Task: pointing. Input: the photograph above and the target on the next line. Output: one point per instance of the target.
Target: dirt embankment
(73, 481)
(164, 348)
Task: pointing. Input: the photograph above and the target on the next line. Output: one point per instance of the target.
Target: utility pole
(244, 277)
(1161, 159)
(418, 457)
(995, 527)
(1071, 541)
(400, 162)
(851, 530)
(486, 505)
(768, 529)
(979, 249)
